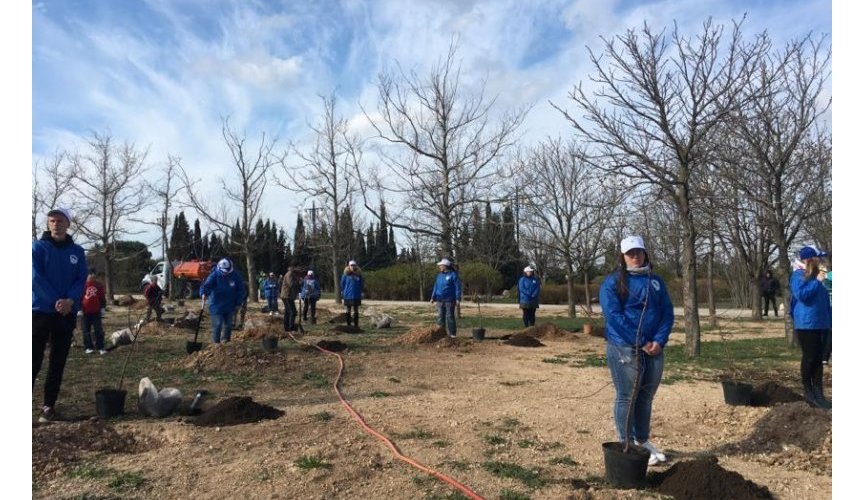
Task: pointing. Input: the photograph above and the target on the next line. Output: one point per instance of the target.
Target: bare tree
(652, 113)
(251, 166)
(327, 172)
(787, 156)
(571, 205)
(165, 192)
(51, 179)
(446, 148)
(108, 185)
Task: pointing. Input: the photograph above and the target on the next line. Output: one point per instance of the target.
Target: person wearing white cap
(310, 292)
(271, 293)
(447, 292)
(227, 292)
(529, 296)
(59, 278)
(810, 309)
(639, 318)
(352, 292)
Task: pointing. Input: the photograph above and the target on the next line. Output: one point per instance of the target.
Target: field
(507, 421)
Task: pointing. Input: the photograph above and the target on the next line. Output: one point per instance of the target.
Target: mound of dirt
(331, 345)
(522, 340)
(339, 318)
(259, 327)
(233, 356)
(128, 300)
(547, 331)
(346, 329)
(705, 478)
(423, 335)
(771, 393)
(58, 444)
(237, 410)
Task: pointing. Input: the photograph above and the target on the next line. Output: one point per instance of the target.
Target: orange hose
(443, 477)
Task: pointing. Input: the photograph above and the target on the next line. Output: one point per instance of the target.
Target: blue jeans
(221, 327)
(622, 365)
(447, 314)
(93, 322)
(273, 304)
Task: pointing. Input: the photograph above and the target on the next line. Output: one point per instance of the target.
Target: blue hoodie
(448, 287)
(810, 305)
(622, 316)
(225, 291)
(59, 272)
(352, 285)
(271, 289)
(529, 290)
(311, 288)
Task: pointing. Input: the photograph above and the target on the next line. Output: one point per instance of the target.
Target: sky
(161, 74)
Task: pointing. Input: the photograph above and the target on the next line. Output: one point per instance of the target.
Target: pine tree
(180, 244)
(197, 246)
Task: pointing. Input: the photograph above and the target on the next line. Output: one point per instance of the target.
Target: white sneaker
(102, 352)
(88, 351)
(657, 456)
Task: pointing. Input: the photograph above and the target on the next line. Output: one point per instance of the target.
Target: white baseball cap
(352, 263)
(225, 266)
(528, 269)
(444, 262)
(310, 273)
(631, 242)
(62, 211)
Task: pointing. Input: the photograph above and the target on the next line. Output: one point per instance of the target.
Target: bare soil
(472, 410)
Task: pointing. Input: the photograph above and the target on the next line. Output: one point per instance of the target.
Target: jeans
(765, 299)
(94, 322)
(55, 330)
(352, 306)
(307, 304)
(290, 319)
(447, 315)
(622, 365)
(272, 304)
(222, 327)
(529, 316)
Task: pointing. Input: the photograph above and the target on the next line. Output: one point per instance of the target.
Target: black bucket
(737, 393)
(193, 347)
(110, 402)
(271, 343)
(478, 333)
(625, 470)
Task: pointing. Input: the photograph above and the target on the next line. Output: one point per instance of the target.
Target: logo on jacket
(73, 259)
(656, 285)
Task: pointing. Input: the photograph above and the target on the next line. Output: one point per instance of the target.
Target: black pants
(812, 351)
(355, 306)
(55, 330)
(307, 305)
(529, 316)
(765, 299)
(826, 346)
(290, 323)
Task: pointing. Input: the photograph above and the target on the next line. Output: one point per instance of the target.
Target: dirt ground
(505, 420)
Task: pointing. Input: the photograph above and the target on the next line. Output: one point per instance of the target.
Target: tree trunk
(755, 300)
(587, 292)
(109, 276)
(785, 271)
(688, 282)
(712, 303)
(337, 293)
(251, 285)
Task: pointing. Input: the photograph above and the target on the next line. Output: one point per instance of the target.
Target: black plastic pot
(625, 470)
(270, 343)
(110, 402)
(737, 393)
(478, 333)
(193, 347)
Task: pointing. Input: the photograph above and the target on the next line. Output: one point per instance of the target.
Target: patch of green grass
(307, 463)
(514, 383)
(759, 354)
(441, 443)
(394, 380)
(583, 431)
(526, 443)
(89, 471)
(450, 495)
(508, 494)
(459, 465)
(510, 423)
(323, 416)
(316, 379)
(494, 439)
(567, 355)
(126, 481)
(530, 478)
(379, 394)
(590, 360)
(470, 319)
(423, 481)
(566, 460)
(671, 378)
(555, 361)
(550, 446)
(415, 434)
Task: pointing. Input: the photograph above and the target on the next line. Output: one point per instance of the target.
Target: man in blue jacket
(352, 292)
(447, 292)
(310, 292)
(59, 275)
(529, 296)
(227, 292)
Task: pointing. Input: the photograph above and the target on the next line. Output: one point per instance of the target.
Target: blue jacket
(529, 290)
(448, 287)
(352, 286)
(810, 305)
(622, 316)
(225, 292)
(311, 288)
(271, 289)
(59, 272)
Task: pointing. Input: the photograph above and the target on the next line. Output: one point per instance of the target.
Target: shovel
(195, 346)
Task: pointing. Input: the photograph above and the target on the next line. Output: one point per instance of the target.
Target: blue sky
(161, 73)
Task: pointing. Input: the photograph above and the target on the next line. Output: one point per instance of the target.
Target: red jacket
(153, 293)
(94, 297)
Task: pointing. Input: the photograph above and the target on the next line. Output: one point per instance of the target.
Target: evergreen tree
(372, 261)
(197, 246)
(180, 243)
(302, 254)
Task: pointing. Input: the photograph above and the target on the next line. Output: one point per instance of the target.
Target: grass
(566, 460)
(441, 443)
(530, 478)
(592, 360)
(316, 379)
(307, 463)
(379, 394)
(323, 416)
(126, 481)
(555, 361)
(494, 439)
(757, 354)
(498, 323)
(457, 465)
(394, 380)
(508, 494)
(526, 443)
(89, 471)
(514, 383)
(415, 434)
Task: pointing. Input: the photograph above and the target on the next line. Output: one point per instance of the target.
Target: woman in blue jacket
(310, 292)
(352, 292)
(447, 292)
(226, 291)
(811, 314)
(529, 296)
(639, 317)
